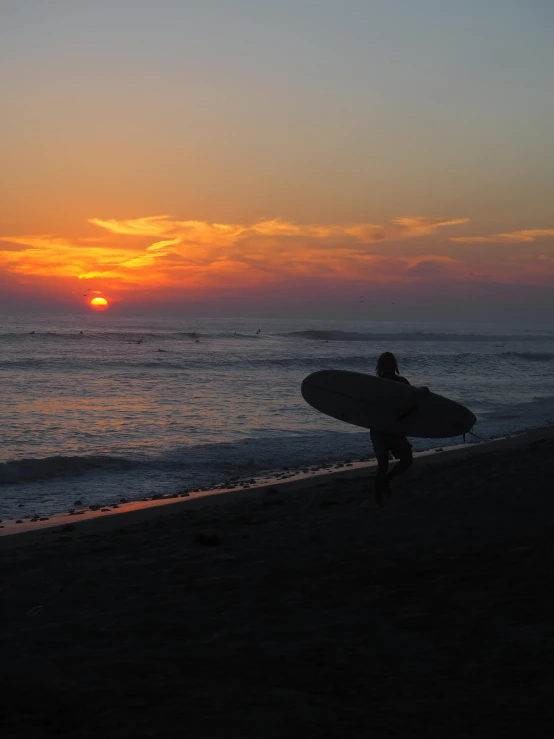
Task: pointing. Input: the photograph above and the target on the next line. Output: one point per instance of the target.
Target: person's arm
(424, 390)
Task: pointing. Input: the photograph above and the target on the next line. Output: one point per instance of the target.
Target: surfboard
(385, 405)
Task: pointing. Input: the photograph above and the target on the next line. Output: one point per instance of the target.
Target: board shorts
(385, 443)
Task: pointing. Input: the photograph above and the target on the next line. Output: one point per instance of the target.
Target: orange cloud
(199, 253)
(197, 257)
(189, 258)
(222, 234)
(510, 237)
(401, 228)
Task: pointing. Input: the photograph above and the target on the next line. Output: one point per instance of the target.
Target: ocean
(98, 407)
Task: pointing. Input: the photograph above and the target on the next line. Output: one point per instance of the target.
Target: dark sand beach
(300, 612)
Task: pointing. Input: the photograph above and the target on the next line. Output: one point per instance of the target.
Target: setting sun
(99, 303)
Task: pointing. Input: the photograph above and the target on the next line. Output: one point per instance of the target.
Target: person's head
(387, 365)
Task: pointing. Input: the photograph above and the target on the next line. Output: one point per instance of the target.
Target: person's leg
(404, 463)
(380, 485)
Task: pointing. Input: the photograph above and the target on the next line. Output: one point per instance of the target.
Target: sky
(379, 159)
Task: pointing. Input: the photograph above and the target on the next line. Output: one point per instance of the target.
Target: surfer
(385, 443)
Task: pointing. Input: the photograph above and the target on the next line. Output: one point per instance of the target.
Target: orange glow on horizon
(146, 258)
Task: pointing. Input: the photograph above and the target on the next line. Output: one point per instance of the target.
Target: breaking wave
(198, 462)
(336, 335)
(34, 470)
(530, 356)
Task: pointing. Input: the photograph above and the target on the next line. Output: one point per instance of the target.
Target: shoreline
(115, 516)
(54, 485)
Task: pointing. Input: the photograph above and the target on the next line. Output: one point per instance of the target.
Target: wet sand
(305, 611)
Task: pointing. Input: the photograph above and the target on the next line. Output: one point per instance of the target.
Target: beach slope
(308, 612)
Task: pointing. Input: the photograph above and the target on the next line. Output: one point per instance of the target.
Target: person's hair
(386, 357)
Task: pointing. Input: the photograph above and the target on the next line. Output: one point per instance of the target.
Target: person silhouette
(386, 444)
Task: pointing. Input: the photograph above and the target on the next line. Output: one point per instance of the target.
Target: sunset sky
(279, 158)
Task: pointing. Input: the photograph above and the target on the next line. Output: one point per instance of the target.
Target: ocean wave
(211, 461)
(113, 336)
(367, 362)
(135, 337)
(182, 362)
(530, 356)
(266, 452)
(34, 470)
(533, 413)
(309, 362)
(336, 335)
(122, 337)
(97, 365)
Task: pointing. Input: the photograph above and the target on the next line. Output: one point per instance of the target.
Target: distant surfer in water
(385, 443)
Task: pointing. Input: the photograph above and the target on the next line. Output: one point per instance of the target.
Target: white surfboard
(385, 405)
